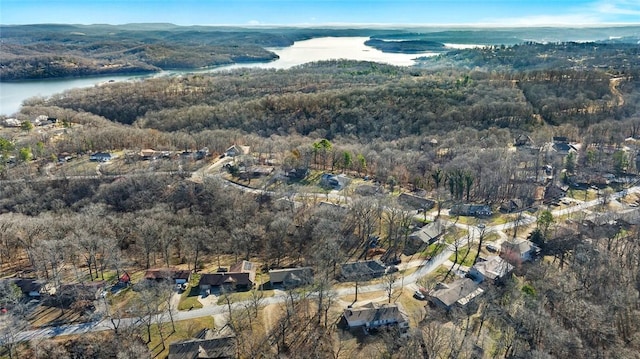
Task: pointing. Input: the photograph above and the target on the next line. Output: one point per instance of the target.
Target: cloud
(593, 13)
(253, 22)
(619, 7)
(548, 20)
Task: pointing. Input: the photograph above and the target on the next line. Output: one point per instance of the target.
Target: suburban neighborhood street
(424, 267)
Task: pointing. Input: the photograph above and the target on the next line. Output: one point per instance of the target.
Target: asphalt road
(426, 267)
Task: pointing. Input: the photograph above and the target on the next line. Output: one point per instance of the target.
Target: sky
(323, 12)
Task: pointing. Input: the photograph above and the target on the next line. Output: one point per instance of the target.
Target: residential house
(241, 276)
(255, 172)
(363, 270)
(291, 277)
(201, 153)
(297, 174)
(331, 181)
(68, 294)
(459, 293)
(101, 157)
(205, 344)
(168, 274)
(149, 154)
(31, 288)
(237, 150)
(563, 146)
(522, 140)
(245, 267)
(12, 122)
(516, 252)
(125, 279)
(584, 180)
(471, 210)
(493, 268)
(216, 282)
(373, 316)
(426, 235)
(553, 193)
(64, 157)
(415, 202)
(41, 120)
(513, 205)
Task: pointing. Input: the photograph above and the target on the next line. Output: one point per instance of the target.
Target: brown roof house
(240, 276)
(205, 345)
(415, 202)
(168, 274)
(426, 235)
(456, 294)
(375, 316)
(291, 277)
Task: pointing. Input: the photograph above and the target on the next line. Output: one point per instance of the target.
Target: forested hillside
(212, 169)
(369, 100)
(58, 51)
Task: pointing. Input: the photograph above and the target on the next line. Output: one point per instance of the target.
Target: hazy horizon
(273, 13)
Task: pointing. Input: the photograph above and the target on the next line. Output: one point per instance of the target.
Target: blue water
(326, 48)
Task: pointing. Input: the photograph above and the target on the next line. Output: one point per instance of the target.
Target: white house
(519, 251)
(493, 268)
(374, 316)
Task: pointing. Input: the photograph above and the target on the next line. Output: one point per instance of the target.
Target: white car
(418, 295)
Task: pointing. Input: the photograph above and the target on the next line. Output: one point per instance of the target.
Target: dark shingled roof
(217, 279)
(361, 270)
(167, 273)
(204, 346)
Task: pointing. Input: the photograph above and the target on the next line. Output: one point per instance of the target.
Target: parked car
(418, 295)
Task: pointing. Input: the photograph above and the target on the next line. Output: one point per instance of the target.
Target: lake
(12, 94)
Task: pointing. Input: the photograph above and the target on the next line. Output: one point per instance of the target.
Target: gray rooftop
(459, 292)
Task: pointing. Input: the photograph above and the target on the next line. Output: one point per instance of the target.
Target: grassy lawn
(491, 237)
(407, 271)
(312, 179)
(466, 256)
(454, 234)
(501, 219)
(433, 250)
(582, 195)
(185, 329)
(189, 299)
(414, 308)
(78, 167)
(365, 296)
(242, 296)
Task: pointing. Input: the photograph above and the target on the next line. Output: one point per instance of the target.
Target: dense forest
(343, 98)
(59, 51)
(445, 130)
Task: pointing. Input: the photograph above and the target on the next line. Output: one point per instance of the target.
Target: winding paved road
(424, 267)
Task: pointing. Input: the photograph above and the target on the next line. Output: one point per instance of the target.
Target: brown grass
(46, 316)
(362, 297)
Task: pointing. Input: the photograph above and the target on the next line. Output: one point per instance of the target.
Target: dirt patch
(46, 316)
(364, 298)
(270, 315)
